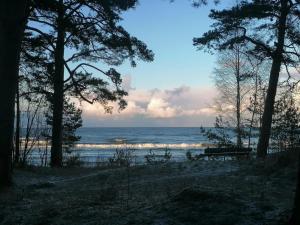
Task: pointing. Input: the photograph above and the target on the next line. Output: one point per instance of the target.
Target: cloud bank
(182, 106)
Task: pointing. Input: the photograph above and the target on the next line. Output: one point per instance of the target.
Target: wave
(143, 146)
(121, 144)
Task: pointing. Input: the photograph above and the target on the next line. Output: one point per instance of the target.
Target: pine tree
(90, 32)
(71, 122)
(270, 26)
(286, 122)
(220, 135)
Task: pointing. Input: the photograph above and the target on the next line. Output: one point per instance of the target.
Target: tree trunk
(295, 219)
(18, 117)
(238, 117)
(58, 96)
(238, 99)
(254, 109)
(11, 30)
(265, 130)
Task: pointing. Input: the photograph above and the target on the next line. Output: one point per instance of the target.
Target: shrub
(73, 161)
(189, 156)
(122, 157)
(152, 158)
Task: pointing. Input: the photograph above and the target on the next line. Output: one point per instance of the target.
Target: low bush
(152, 158)
(73, 161)
(122, 157)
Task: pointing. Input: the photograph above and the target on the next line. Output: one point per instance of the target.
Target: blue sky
(168, 29)
(174, 90)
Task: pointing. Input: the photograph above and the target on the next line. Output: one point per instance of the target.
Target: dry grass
(201, 192)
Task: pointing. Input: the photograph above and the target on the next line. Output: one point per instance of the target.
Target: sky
(176, 89)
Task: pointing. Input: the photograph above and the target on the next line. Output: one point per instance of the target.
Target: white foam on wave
(143, 146)
(80, 146)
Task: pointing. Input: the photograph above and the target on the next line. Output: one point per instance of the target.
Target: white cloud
(182, 106)
(132, 109)
(159, 108)
(199, 112)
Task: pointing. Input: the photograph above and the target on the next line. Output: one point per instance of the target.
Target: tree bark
(254, 109)
(58, 96)
(238, 98)
(12, 19)
(265, 130)
(18, 117)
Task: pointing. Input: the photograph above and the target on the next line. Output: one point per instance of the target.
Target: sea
(101, 144)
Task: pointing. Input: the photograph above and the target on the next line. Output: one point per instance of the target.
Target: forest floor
(198, 192)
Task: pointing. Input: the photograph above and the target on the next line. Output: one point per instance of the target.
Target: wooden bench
(232, 151)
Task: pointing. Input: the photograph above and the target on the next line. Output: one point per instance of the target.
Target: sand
(199, 192)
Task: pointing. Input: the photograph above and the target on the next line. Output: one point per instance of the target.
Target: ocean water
(100, 144)
(141, 135)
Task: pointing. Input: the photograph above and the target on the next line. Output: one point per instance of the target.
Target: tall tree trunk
(238, 117)
(18, 117)
(11, 30)
(58, 96)
(265, 130)
(295, 219)
(254, 109)
(238, 98)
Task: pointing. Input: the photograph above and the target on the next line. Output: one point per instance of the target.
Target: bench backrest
(226, 150)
